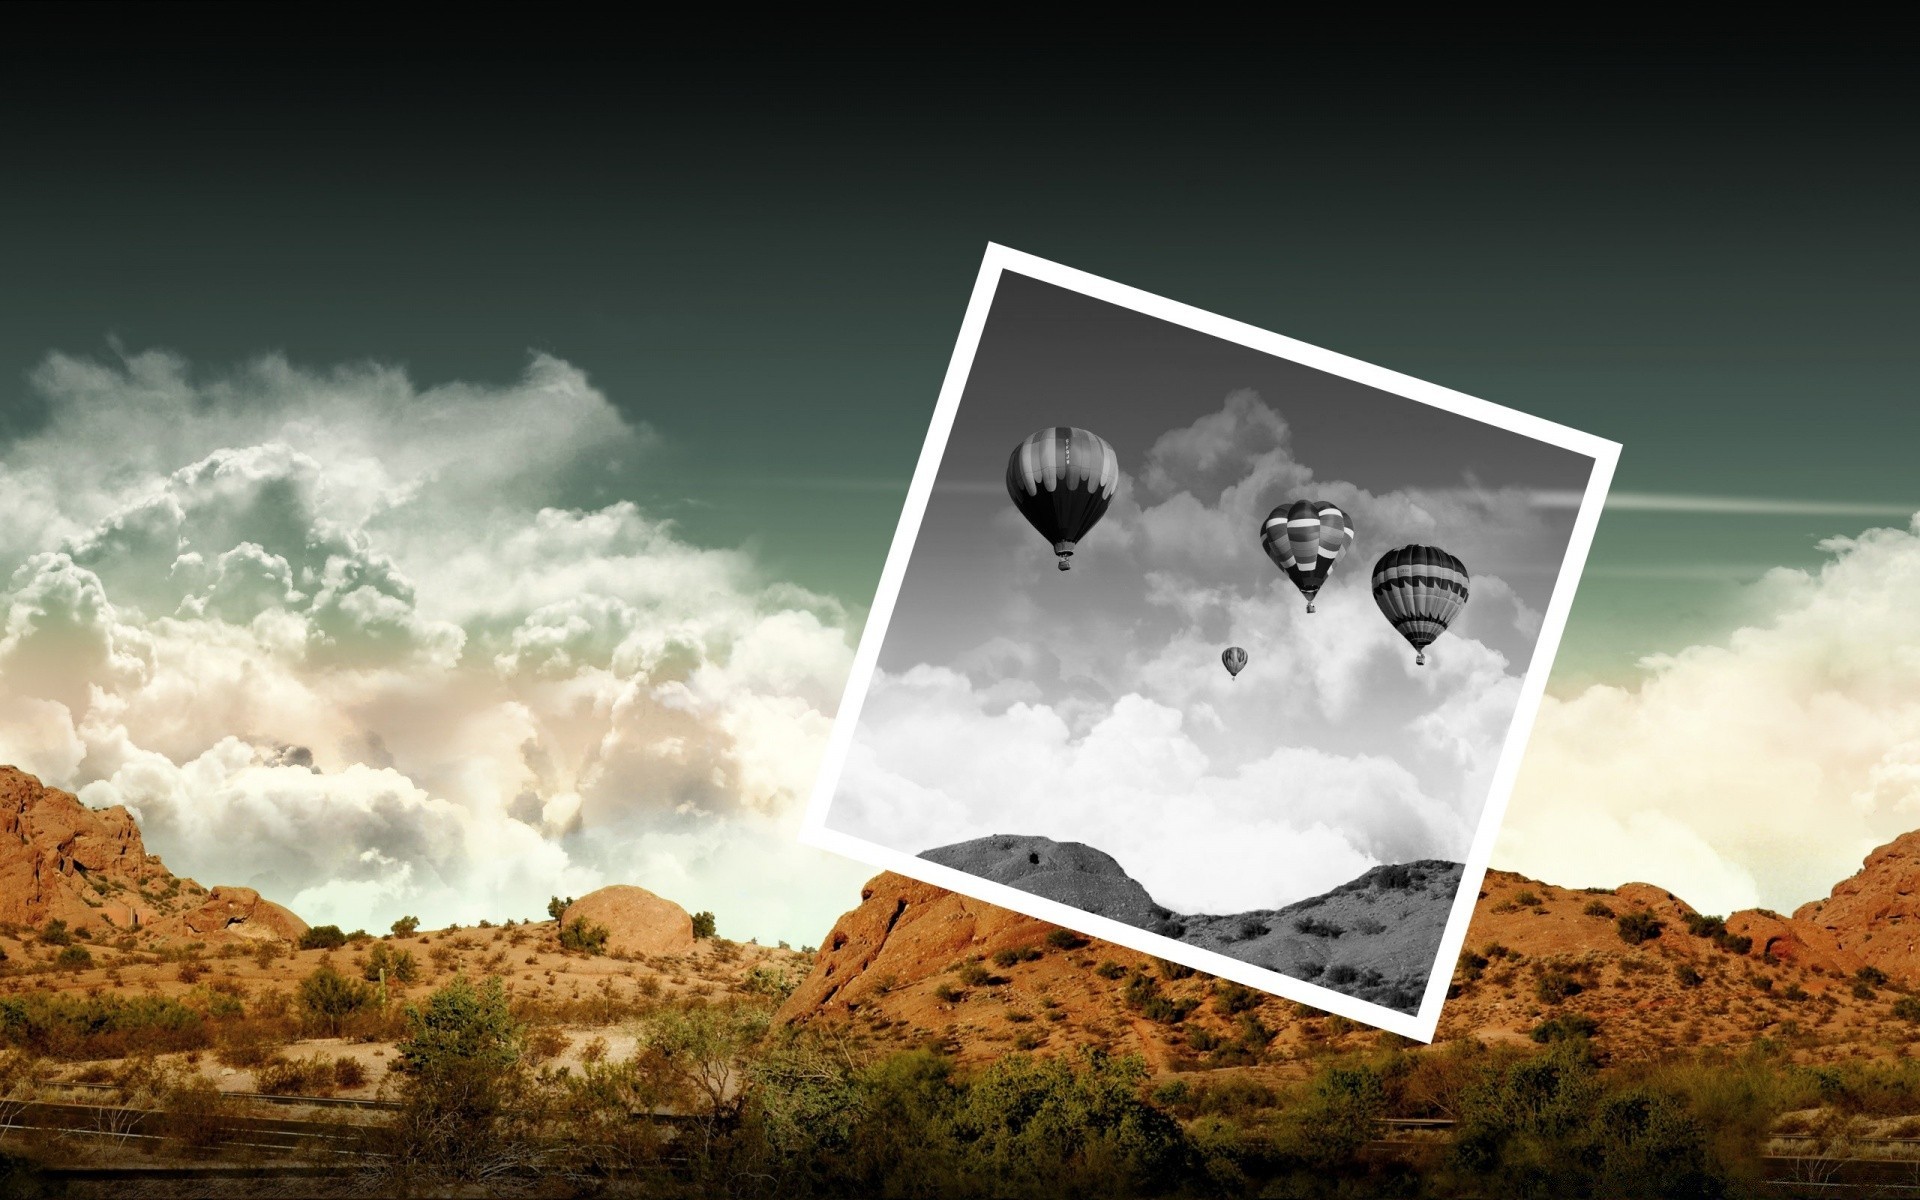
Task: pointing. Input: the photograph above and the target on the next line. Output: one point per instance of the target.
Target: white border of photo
(1419, 1026)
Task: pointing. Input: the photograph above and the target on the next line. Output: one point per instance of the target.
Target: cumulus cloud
(1756, 772)
(1093, 707)
(358, 644)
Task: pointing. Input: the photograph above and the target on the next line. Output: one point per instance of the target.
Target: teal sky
(1708, 258)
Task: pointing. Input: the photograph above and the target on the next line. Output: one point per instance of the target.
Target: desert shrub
(1556, 984)
(1231, 999)
(1342, 973)
(975, 975)
(348, 1072)
(770, 982)
(1566, 1027)
(405, 926)
(196, 1113)
(583, 938)
(1065, 939)
(1014, 955)
(1598, 908)
(282, 1076)
(56, 933)
(1525, 899)
(328, 998)
(73, 958)
(545, 1042)
(946, 993)
(100, 1026)
(1862, 990)
(462, 1066)
(703, 925)
(323, 937)
(1687, 976)
(1638, 926)
(1472, 966)
(1110, 970)
(1314, 927)
(1871, 976)
(1907, 1008)
(1173, 970)
(399, 965)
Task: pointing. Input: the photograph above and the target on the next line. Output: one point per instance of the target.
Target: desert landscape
(158, 1033)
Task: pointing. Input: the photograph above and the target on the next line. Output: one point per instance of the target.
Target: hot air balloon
(1062, 479)
(1305, 539)
(1419, 588)
(1235, 660)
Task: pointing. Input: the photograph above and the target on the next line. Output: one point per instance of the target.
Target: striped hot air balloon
(1234, 659)
(1062, 479)
(1419, 588)
(1305, 539)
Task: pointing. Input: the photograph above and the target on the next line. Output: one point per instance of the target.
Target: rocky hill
(60, 860)
(1374, 937)
(916, 965)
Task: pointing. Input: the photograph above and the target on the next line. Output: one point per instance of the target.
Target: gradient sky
(1705, 253)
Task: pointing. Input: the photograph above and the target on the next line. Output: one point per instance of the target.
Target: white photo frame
(817, 830)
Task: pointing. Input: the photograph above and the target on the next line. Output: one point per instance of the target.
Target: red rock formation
(637, 921)
(1873, 916)
(60, 860)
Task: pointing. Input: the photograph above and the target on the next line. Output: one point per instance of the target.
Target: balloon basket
(1419, 660)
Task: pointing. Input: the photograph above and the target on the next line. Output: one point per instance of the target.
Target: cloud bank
(1758, 772)
(360, 645)
(1093, 707)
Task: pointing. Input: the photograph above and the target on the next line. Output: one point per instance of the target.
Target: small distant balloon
(1419, 589)
(1062, 479)
(1304, 539)
(1235, 660)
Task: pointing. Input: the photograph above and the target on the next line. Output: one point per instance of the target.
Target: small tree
(406, 926)
(557, 906)
(330, 998)
(463, 1067)
(56, 933)
(703, 925)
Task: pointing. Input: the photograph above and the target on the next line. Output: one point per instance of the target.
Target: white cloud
(342, 639)
(1758, 771)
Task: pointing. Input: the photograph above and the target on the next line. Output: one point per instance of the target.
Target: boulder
(637, 921)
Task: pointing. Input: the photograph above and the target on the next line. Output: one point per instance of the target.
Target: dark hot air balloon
(1062, 479)
(1235, 660)
(1304, 539)
(1419, 588)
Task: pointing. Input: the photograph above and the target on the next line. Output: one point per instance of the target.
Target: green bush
(73, 958)
(583, 938)
(1907, 1008)
(323, 937)
(329, 999)
(56, 933)
(1598, 908)
(703, 925)
(399, 965)
(405, 926)
(1638, 926)
(1065, 939)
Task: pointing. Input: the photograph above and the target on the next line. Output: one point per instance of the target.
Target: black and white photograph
(1209, 643)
